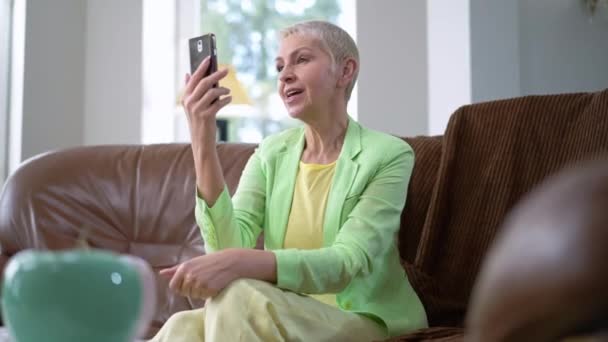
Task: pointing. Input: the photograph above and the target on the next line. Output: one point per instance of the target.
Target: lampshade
(239, 95)
(237, 91)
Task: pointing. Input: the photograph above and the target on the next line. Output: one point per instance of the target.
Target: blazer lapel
(286, 170)
(344, 176)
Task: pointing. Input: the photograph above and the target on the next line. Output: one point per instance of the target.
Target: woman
(328, 197)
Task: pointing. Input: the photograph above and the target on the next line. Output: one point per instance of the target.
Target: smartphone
(201, 47)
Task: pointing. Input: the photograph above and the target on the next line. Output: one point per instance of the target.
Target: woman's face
(307, 80)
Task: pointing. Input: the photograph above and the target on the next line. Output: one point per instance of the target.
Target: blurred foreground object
(77, 295)
(545, 277)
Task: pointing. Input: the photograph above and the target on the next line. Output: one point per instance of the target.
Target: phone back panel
(201, 47)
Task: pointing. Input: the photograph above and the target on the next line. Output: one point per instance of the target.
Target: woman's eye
(302, 59)
(279, 68)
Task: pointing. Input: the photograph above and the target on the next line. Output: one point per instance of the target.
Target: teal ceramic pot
(78, 295)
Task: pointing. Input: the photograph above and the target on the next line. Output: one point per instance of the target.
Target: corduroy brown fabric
(493, 153)
(427, 152)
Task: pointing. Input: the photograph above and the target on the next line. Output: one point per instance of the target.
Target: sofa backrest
(427, 152)
(129, 199)
(493, 153)
(140, 200)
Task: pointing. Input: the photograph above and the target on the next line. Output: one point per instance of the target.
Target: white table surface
(5, 337)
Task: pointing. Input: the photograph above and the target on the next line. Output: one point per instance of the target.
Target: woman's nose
(287, 75)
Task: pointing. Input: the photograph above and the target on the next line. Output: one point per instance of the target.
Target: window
(247, 40)
(5, 38)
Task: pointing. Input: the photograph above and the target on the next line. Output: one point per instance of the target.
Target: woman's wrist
(204, 130)
(203, 139)
(256, 264)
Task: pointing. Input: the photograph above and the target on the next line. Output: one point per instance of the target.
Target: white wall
(16, 85)
(495, 64)
(392, 85)
(5, 20)
(159, 92)
(113, 82)
(53, 88)
(482, 50)
(449, 61)
(82, 76)
(536, 47)
(560, 49)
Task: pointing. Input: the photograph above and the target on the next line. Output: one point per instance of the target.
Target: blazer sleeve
(368, 231)
(235, 222)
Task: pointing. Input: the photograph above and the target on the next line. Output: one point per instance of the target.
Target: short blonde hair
(337, 42)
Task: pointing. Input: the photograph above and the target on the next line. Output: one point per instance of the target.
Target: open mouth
(293, 92)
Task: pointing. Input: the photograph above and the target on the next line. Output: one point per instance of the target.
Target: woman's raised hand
(202, 100)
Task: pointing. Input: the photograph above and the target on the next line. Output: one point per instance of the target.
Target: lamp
(241, 105)
(239, 95)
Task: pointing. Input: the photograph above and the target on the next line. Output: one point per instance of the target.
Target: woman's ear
(348, 70)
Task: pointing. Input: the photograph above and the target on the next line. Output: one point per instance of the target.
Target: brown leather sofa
(139, 199)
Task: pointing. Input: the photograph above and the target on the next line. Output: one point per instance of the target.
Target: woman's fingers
(207, 83)
(208, 99)
(198, 292)
(197, 102)
(198, 75)
(168, 272)
(194, 292)
(186, 288)
(193, 289)
(201, 99)
(208, 105)
(183, 281)
(201, 277)
(222, 102)
(178, 278)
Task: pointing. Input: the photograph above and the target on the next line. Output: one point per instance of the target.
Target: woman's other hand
(204, 276)
(207, 275)
(201, 100)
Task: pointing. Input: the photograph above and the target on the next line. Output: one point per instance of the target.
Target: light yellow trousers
(252, 310)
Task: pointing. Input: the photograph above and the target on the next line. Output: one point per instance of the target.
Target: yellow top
(305, 224)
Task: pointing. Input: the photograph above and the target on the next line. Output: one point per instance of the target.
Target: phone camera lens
(199, 45)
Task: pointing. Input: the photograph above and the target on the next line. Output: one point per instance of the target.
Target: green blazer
(359, 260)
